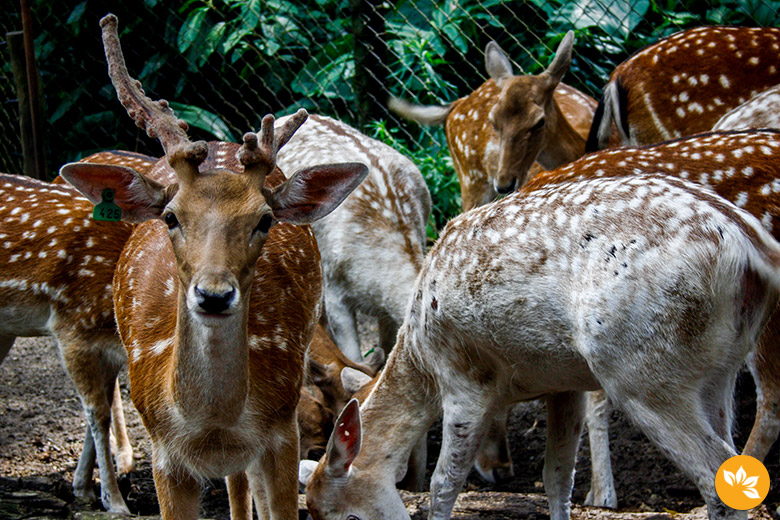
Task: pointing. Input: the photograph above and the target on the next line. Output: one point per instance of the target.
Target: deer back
(740, 166)
(684, 83)
(373, 244)
(761, 111)
(56, 259)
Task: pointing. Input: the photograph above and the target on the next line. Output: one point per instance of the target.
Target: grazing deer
(373, 245)
(217, 296)
(683, 84)
(548, 293)
(56, 281)
(497, 132)
(760, 111)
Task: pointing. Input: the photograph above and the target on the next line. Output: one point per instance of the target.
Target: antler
(260, 160)
(156, 117)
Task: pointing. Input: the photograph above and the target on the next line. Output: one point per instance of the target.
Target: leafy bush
(226, 63)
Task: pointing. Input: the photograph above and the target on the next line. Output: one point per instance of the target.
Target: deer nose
(214, 302)
(508, 188)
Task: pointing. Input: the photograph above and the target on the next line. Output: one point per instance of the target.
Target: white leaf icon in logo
(750, 482)
(741, 479)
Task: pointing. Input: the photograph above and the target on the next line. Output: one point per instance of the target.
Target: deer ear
(497, 64)
(139, 197)
(312, 193)
(560, 64)
(344, 443)
(353, 380)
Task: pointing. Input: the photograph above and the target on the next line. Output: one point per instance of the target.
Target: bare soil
(42, 428)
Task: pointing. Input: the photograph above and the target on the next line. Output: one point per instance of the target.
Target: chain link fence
(223, 64)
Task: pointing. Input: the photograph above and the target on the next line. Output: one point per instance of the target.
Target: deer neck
(400, 409)
(210, 367)
(564, 143)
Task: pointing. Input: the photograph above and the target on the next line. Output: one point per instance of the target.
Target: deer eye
(353, 517)
(538, 126)
(170, 220)
(265, 224)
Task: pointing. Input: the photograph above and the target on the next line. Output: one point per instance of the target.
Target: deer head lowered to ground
(217, 295)
(548, 293)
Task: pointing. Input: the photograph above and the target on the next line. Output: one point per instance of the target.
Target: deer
(216, 296)
(684, 83)
(759, 111)
(548, 293)
(59, 264)
(373, 244)
(749, 181)
(497, 132)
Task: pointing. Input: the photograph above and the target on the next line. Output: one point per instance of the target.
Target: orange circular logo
(742, 482)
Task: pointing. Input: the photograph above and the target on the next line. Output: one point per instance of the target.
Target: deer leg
(178, 494)
(342, 325)
(565, 413)
(278, 473)
(764, 364)
(239, 497)
(6, 342)
(465, 420)
(678, 427)
(124, 450)
(602, 483)
(494, 463)
(94, 373)
(82, 477)
(414, 480)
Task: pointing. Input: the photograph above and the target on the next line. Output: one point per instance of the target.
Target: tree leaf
(205, 120)
(751, 493)
(728, 477)
(741, 475)
(190, 31)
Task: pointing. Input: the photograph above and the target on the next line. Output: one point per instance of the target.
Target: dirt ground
(42, 427)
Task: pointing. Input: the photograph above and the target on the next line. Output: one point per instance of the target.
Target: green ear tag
(107, 210)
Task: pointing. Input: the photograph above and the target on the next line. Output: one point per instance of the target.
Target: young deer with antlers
(683, 84)
(497, 132)
(217, 381)
(547, 293)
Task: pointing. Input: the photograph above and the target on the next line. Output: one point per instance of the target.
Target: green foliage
(228, 62)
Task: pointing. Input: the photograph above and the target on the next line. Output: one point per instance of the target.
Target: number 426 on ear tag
(107, 210)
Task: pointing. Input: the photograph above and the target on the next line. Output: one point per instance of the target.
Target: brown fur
(574, 113)
(684, 83)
